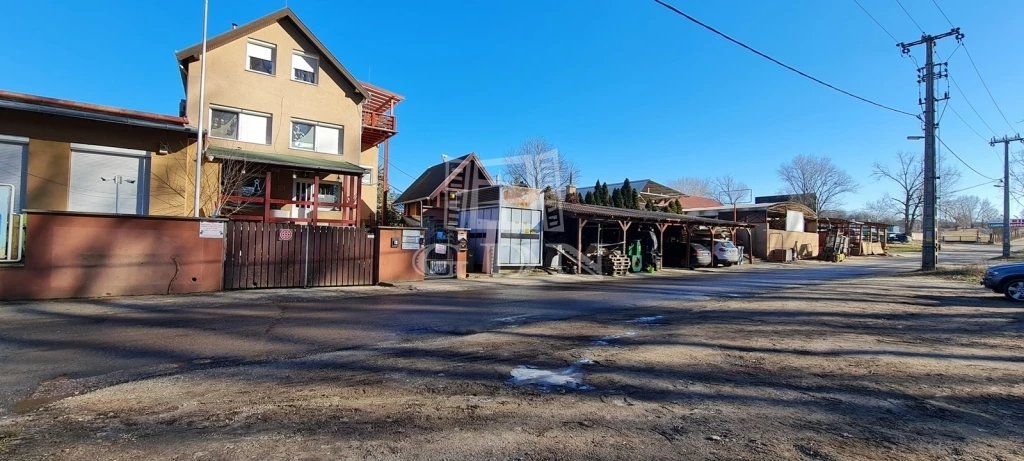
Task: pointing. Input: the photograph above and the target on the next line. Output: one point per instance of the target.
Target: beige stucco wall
(332, 100)
(49, 157)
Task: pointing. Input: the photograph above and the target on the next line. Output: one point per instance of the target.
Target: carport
(866, 237)
(593, 224)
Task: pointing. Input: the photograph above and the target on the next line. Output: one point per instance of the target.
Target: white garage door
(108, 181)
(12, 166)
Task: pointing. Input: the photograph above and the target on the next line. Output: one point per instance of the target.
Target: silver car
(725, 253)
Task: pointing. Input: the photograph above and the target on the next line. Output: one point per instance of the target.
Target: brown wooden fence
(281, 255)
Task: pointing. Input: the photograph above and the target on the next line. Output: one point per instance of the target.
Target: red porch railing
(378, 120)
(351, 197)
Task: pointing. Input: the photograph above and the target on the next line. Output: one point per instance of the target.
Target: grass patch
(7, 439)
(904, 248)
(1015, 257)
(965, 273)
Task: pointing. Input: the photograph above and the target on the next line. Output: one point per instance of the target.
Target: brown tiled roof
(697, 202)
(94, 108)
(192, 52)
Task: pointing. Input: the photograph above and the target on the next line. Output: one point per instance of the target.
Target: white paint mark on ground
(512, 318)
(570, 377)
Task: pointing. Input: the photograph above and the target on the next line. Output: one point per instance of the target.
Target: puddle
(651, 319)
(570, 377)
(28, 405)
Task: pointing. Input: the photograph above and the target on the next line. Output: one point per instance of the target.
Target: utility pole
(1006, 188)
(928, 77)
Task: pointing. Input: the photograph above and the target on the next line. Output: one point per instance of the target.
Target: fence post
(305, 258)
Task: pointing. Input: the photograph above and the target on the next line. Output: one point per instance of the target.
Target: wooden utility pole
(928, 77)
(1006, 188)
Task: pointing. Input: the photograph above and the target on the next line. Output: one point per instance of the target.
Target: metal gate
(440, 246)
(283, 255)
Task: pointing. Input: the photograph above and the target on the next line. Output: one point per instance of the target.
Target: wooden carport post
(661, 241)
(688, 248)
(714, 260)
(750, 244)
(625, 226)
(579, 245)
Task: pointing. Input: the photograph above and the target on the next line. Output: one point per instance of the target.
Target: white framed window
(240, 125)
(367, 177)
(260, 56)
(317, 137)
(330, 192)
(305, 67)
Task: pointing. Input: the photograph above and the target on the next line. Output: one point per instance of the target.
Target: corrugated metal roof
(294, 161)
(583, 210)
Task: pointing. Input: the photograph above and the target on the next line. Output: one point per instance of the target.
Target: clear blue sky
(626, 88)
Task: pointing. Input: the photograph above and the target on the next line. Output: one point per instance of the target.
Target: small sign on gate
(440, 248)
(284, 235)
(211, 229)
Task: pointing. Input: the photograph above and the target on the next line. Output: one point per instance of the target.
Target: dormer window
(305, 67)
(261, 56)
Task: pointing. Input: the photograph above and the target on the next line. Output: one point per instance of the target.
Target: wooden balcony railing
(377, 120)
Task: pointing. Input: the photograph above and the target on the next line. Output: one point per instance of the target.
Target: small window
(240, 125)
(304, 67)
(261, 57)
(317, 137)
(367, 177)
(329, 193)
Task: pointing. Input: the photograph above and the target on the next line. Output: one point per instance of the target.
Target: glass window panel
(224, 124)
(327, 140)
(254, 129)
(302, 136)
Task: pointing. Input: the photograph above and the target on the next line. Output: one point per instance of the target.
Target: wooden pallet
(615, 265)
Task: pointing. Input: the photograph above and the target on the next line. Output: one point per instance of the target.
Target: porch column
(316, 197)
(625, 226)
(266, 198)
(714, 261)
(579, 245)
(358, 181)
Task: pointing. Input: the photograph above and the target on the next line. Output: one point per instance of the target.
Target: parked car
(1007, 279)
(899, 238)
(725, 253)
(700, 256)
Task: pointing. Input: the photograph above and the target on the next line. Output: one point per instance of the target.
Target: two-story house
(292, 136)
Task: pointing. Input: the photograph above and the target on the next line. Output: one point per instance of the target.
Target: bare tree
(908, 176)
(807, 174)
(236, 178)
(693, 186)
(965, 210)
(1017, 174)
(986, 212)
(538, 164)
(729, 190)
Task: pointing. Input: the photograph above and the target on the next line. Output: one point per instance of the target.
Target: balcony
(377, 128)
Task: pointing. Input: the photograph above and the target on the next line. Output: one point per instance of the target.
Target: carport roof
(580, 210)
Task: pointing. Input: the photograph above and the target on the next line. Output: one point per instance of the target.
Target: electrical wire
(392, 165)
(969, 127)
(985, 85)
(880, 26)
(911, 17)
(974, 186)
(968, 101)
(780, 63)
(971, 58)
(962, 160)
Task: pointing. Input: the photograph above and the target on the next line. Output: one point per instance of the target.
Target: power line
(943, 13)
(876, 21)
(972, 129)
(968, 101)
(985, 85)
(392, 165)
(962, 160)
(973, 187)
(776, 61)
(911, 17)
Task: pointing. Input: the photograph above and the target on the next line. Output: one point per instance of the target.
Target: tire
(1014, 290)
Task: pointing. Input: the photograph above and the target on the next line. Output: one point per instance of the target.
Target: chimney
(234, 26)
(571, 195)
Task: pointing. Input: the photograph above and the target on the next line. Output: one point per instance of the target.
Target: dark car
(1007, 279)
(700, 256)
(899, 238)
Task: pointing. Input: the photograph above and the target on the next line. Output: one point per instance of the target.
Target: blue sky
(626, 88)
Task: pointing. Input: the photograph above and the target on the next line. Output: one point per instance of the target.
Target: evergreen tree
(634, 200)
(678, 207)
(589, 198)
(649, 206)
(606, 198)
(598, 199)
(616, 199)
(627, 195)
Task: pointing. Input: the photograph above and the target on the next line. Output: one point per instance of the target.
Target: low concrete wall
(393, 263)
(72, 255)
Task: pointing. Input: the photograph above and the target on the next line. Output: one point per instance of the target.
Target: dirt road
(895, 367)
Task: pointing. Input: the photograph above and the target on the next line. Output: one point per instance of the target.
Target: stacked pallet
(615, 264)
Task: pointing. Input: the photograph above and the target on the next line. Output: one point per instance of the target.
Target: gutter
(85, 115)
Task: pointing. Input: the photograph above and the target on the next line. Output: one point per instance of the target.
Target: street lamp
(914, 138)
